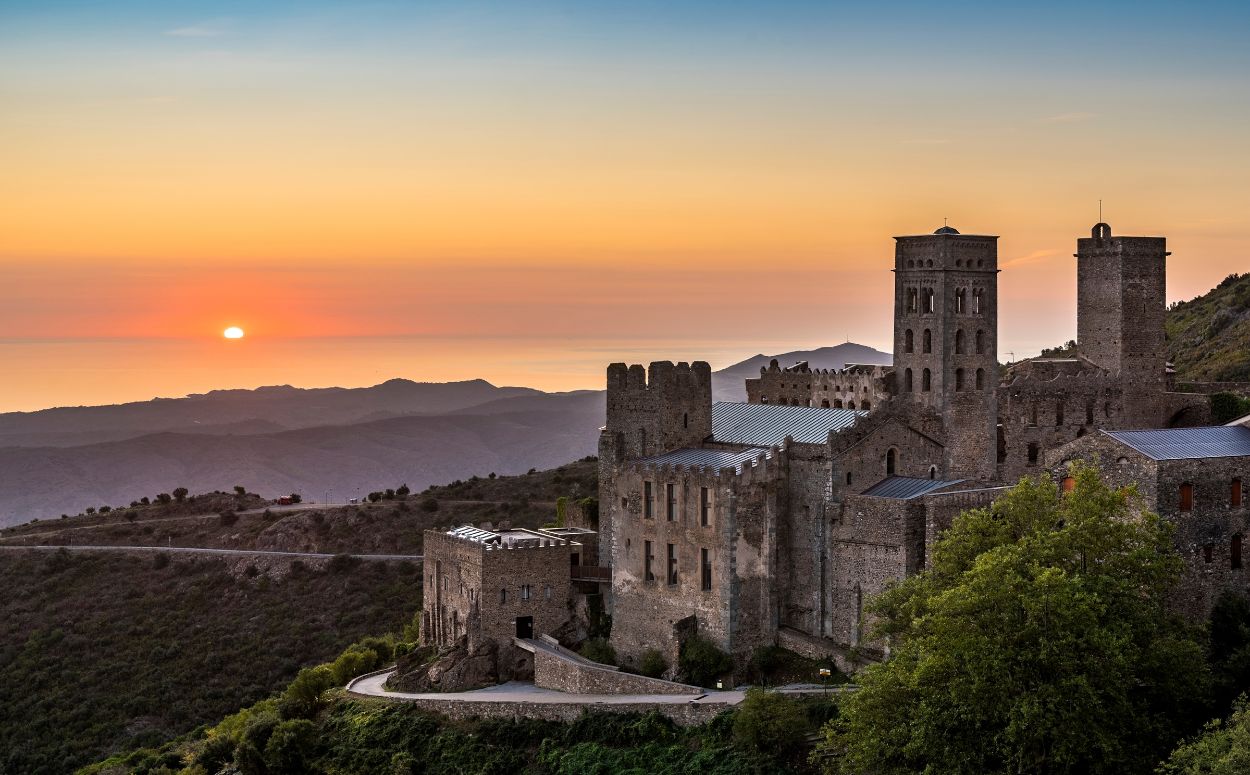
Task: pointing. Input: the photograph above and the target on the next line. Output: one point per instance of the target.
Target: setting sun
(233, 332)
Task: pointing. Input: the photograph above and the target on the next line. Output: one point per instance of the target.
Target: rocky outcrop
(457, 669)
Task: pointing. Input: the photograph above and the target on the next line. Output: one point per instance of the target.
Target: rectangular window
(648, 501)
(705, 506)
(1235, 496)
(705, 570)
(647, 559)
(672, 564)
(671, 492)
(525, 591)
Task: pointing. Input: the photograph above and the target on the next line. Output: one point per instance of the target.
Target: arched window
(907, 386)
(930, 303)
(1234, 552)
(933, 472)
(685, 420)
(1033, 415)
(1033, 453)
(825, 403)
(1187, 497)
(959, 379)
(926, 380)
(1089, 412)
(980, 342)
(1234, 499)
(848, 478)
(961, 299)
(503, 595)
(850, 404)
(927, 341)
(912, 305)
(763, 399)
(794, 402)
(891, 461)
(959, 341)
(980, 379)
(976, 301)
(909, 341)
(837, 403)
(1058, 413)
(864, 405)
(809, 402)
(1069, 484)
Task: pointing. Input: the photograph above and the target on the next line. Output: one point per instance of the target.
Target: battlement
(874, 370)
(662, 375)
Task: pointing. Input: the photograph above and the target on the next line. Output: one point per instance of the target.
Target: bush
(131, 515)
(769, 721)
(701, 662)
(290, 746)
(240, 490)
(599, 650)
(163, 497)
(653, 664)
(180, 494)
(1226, 407)
(342, 563)
(352, 663)
(402, 491)
(429, 505)
(302, 698)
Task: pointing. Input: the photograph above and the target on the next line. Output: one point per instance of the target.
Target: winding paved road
(202, 550)
(517, 691)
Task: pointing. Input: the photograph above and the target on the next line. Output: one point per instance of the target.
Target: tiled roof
(765, 425)
(906, 487)
(1188, 443)
(705, 458)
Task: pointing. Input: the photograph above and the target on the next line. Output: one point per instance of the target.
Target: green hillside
(1209, 336)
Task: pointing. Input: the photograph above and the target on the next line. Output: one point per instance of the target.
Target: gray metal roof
(477, 535)
(705, 458)
(1188, 443)
(765, 425)
(907, 487)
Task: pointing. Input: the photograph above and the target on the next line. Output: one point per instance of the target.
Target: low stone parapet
(555, 667)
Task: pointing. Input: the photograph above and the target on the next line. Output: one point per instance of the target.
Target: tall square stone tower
(1120, 296)
(946, 340)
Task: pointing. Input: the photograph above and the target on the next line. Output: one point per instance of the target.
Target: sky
(524, 192)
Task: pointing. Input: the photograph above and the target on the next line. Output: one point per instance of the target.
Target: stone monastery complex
(774, 521)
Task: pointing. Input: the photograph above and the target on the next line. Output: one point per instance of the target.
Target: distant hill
(337, 440)
(262, 410)
(1209, 336)
(345, 461)
(727, 384)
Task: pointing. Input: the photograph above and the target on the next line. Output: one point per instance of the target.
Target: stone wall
(572, 673)
(875, 541)
(855, 387)
(739, 539)
(683, 713)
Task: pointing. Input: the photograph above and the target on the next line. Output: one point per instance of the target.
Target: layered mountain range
(325, 443)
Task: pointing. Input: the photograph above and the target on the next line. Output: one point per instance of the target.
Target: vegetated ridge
(102, 652)
(1209, 336)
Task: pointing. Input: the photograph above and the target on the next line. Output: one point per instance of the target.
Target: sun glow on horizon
(233, 332)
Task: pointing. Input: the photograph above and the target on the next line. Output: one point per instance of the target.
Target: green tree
(296, 498)
(769, 721)
(1223, 748)
(701, 662)
(652, 664)
(402, 491)
(1037, 642)
(240, 490)
(180, 494)
(163, 497)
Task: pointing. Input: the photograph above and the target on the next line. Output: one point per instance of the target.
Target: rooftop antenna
(945, 223)
(1100, 211)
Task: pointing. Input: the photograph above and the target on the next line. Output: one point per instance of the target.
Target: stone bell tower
(946, 340)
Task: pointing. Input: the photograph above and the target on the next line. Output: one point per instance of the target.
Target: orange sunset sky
(523, 194)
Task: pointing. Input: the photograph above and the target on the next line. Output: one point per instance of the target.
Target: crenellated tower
(946, 340)
(649, 412)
